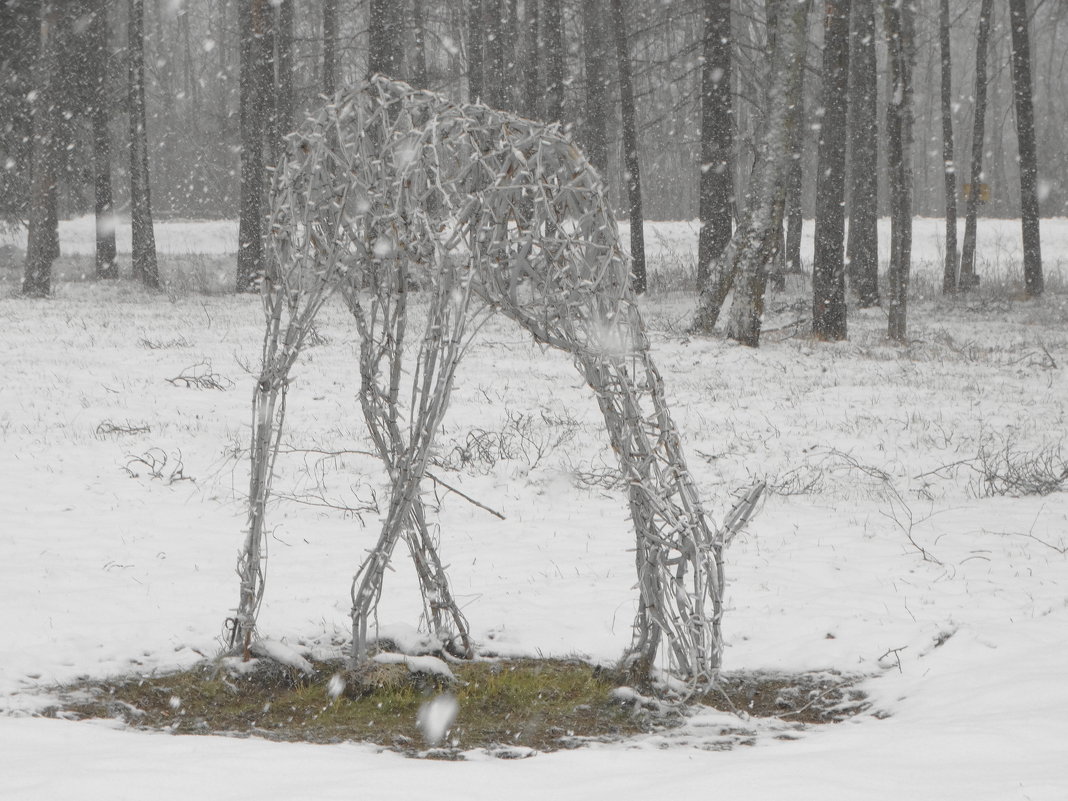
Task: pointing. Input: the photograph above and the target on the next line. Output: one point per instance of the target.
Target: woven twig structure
(389, 195)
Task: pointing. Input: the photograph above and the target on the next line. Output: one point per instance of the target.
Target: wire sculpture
(391, 196)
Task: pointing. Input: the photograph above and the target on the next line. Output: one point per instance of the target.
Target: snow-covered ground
(878, 551)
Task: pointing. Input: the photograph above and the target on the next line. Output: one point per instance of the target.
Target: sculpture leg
(404, 455)
(442, 613)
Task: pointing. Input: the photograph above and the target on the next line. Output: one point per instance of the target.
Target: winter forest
(541, 397)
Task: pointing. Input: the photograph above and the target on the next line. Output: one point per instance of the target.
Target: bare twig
(463, 495)
(896, 652)
(900, 509)
(201, 376)
(107, 427)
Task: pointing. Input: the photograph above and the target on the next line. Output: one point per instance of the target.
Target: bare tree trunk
(222, 48)
(531, 85)
(828, 267)
(777, 265)
(1025, 134)
(716, 180)
(329, 47)
(863, 244)
(255, 92)
(968, 277)
(278, 105)
(509, 55)
(554, 60)
(384, 53)
(759, 232)
(899, 34)
(476, 51)
(284, 95)
(161, 66)
(106, 266)
(145, 267)
(419, 78)
(949, 171)
(41, 248)
(595, 114)
(794, 186)
(632, 169)
(493, 75)
(192, 86)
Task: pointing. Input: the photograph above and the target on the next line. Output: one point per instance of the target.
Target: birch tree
(755, 241)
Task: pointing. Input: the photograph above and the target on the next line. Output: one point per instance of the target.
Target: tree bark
(254, 104)
(1025, 134)
(329, 47)
(41, 247)
(384, 53)
(899, 33)
(143, 238)
(862, 246)
(969, 279)
(531, 85)
(757, 237)
(595, 114)
(716, 181)
(828, 268)
(509, 55)
(554, 60)
(106, 266)
(191, 86)
(777, 265)
(632, 169)
(949, 172)
(284, 94)
(493, 74)
(794, 211)
(419, 78)
(476, 51)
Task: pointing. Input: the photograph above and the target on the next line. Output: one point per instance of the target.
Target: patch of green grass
(542, 704)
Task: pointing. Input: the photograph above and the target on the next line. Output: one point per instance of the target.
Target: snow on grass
(282, 654)
(882, 548)
(430, 665)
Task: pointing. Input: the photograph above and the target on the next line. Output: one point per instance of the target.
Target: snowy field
(891, 544)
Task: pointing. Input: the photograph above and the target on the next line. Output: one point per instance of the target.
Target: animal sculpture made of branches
(392, 197)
